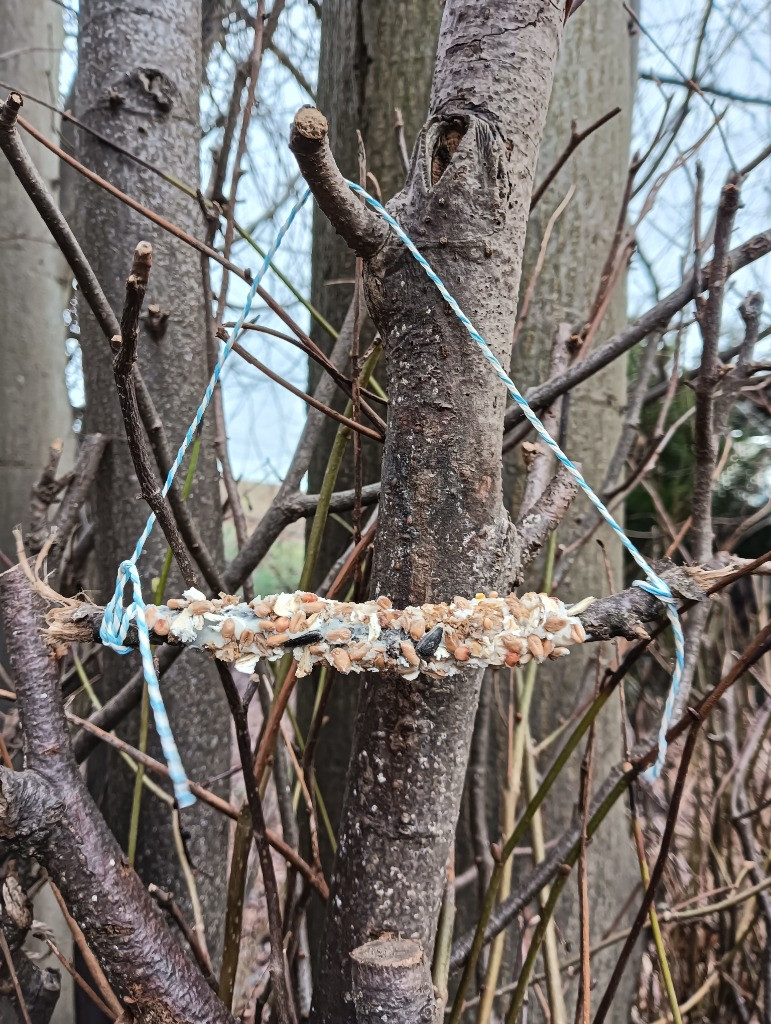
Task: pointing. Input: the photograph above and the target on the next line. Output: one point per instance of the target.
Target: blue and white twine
(654, 584)
(117, 618)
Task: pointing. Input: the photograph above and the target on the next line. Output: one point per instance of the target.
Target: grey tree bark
(442, 528)
(595, 72)
(34, 408)
(138, 83)
(376, 55)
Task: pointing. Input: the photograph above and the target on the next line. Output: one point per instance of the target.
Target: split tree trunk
(138, 83)
(442, 528)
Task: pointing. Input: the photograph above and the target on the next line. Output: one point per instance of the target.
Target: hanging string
(654, 584)
(117, 618)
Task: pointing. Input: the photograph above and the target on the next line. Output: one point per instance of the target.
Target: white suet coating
(434, 639)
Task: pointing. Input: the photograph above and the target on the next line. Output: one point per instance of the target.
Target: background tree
(596, 73)
(33, 285)
(138, 85)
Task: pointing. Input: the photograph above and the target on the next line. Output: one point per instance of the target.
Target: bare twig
(363, 232)
(80, 981)
(358, 312)
(358, 428)
(281, 988)
(731, 382)
(584, 997)
(92, 292)
(253, 71)
(479, 788)
(183, 236)
(64, 522)
(401, 145)
(36, 189)
(701, 87)
(709, 318)
(539, 460)
(125, 348)
(531, 284)
(94, 969)
(220, 439)
(536, 524)
(314, 353)
(206, 796)
(615, 784)
(297, 73)
(45, 491)
(14, 978)
(743, 826)
(169, 904)
(655, 318)
(576, 138)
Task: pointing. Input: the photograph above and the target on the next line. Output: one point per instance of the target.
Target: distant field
(280, 569)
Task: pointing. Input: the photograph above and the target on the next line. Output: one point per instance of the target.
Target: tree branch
(47, 808)
(362, 230)
(655, 318)
(205, 796)
(622, 615)
(92, 292)
(709, 316)
(618, 780)
(374, 636)
(83, 475)
(441, 639)
(392, 981)
(286, 509)
(575, 140)
(125, 347)
(537, 523)
(278, 976)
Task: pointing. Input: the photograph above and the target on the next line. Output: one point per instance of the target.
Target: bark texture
(442, 529)
(392, 983)
(34, 405)
(34, 408)
(595, 72)
(138, 83)
(376, 55)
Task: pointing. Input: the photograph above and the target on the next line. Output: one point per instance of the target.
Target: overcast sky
(263, 420)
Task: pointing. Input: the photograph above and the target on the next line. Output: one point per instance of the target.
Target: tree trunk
(138, 83)
(376, 55)
(34, 408)
(596, 71)
(442, 529)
